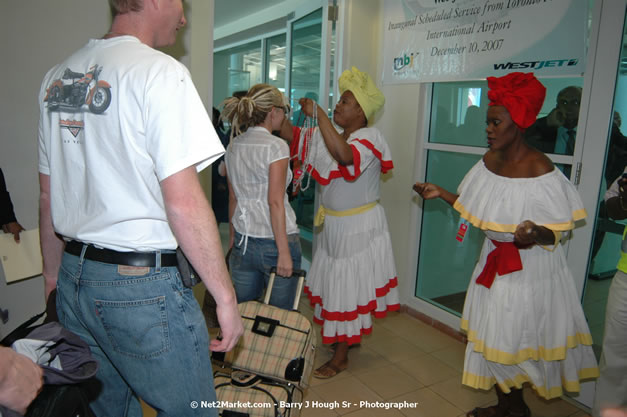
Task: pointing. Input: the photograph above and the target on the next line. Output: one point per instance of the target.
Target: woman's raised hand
(430, 191)
(307, 106)
(427, 190)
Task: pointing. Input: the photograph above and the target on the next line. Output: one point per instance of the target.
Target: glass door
(456, 141)
(607, 237)
(236, 69)
(593, 255)
(310, 39)
(455, 111)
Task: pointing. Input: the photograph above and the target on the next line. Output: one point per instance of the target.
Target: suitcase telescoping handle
(300, 273)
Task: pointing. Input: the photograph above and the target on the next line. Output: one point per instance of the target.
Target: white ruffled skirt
(528, 327)
(353, 275)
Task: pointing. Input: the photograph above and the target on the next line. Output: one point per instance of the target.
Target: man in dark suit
(617, 151)
(555, 133)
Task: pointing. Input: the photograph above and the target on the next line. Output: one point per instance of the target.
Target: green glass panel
(444, 264)
(305, 82)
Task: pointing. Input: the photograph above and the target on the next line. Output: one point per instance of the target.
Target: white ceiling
(228, 11)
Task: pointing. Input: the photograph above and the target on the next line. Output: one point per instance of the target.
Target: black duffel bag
(61, 395)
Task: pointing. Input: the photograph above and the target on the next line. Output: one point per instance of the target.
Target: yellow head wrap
(369, 97)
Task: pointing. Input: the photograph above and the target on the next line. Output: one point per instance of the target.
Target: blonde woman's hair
(252, 109)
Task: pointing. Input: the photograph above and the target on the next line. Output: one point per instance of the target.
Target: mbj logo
(404, 61)
(552, 63)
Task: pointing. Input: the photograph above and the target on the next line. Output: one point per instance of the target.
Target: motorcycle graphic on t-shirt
(75, 89)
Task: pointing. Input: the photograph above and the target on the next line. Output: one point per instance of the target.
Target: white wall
(38, 34)
(398, 121)
(233, 31)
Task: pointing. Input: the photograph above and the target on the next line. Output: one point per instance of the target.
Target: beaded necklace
(306, 136)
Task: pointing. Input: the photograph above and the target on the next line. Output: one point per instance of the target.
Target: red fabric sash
(504, 259)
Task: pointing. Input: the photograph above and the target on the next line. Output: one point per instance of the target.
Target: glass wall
(445, 264)
(459, 110)
(236, 69)
(332, 75)
(458, 113)
(305, 82)
(306, 59)
(275, 61)
(608, 232)
(457, 124)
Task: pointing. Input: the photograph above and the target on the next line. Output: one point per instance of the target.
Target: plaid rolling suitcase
(243, 394)
(277, 344)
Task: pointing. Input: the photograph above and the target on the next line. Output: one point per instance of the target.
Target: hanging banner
(453, 40)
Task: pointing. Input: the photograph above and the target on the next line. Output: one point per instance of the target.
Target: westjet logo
(553, 63)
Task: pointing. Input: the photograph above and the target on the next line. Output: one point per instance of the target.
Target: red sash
(503, 260)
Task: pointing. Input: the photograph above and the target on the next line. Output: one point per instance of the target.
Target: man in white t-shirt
(122, 133)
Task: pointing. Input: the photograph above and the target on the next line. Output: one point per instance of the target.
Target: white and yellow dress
(353, 275)
(529, 325)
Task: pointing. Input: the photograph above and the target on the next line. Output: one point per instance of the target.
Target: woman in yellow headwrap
(353, 275)
(522, 314)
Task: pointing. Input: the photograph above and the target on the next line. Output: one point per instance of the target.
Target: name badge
(462, 229)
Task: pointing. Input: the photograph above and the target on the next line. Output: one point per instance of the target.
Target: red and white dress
(353, 275)
(528, 326)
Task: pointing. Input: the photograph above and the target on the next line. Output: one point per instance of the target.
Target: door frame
(606, 42)
(600, 83)
(325, 58)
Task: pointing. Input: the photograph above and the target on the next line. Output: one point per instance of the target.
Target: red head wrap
(520, 93)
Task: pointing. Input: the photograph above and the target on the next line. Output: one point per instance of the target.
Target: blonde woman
(263, 225)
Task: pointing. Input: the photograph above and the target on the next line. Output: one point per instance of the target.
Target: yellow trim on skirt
(323, 211)
(542, 353)
(487, 382)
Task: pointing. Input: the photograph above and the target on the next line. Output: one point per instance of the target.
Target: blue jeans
(250, 271)
(146, 330)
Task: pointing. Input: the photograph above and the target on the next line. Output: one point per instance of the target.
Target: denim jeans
(146, 330)
(251, 271)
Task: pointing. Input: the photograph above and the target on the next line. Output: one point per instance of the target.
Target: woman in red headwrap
(522, 314)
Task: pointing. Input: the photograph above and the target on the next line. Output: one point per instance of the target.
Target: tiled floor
(404, 359)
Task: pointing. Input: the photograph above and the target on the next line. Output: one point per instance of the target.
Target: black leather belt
(109, 256)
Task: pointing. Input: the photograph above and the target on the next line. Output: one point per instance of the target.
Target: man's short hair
(573, 88)
(125, 6)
